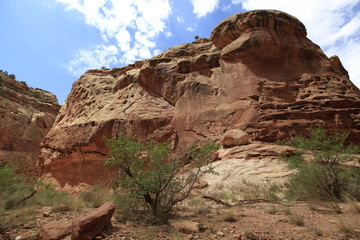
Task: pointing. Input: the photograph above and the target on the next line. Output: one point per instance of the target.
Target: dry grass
(228, 217)
(346, 227)
(297, 219)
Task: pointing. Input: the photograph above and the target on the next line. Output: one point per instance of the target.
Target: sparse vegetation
(326, 178)
(227, 216)
(20, 197)
(346, 227)
(272, 210)
(267, 190)
(317, 231)
(95, 196)
(149, 174)
(11, 76)
(24, 83)
(297, 219)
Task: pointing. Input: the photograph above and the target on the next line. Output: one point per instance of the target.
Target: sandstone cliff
(258, 72)
(26, 116)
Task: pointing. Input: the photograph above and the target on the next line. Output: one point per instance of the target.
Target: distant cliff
(26, 116)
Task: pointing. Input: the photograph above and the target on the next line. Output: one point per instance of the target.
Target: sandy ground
(245, 220)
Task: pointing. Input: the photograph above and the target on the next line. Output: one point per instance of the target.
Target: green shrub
(12, 76)
(14, 189)
(19, 198)
(326, 178)
(24, 83)
(149, 173)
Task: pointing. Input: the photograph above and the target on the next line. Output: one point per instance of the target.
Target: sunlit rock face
(26, 116)
(258, 73)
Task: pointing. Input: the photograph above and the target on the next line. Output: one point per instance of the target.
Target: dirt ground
(245, 220)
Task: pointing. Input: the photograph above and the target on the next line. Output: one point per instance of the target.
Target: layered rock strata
(258, 72)
(26, 116)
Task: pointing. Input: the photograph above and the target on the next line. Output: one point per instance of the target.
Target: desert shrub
(24, 83)
(149, 174)
(95, 196)
(326, 178)
(19, 198)
(14, 189)
(266, 190)
(12, 76)
(46, 195)
(297, 219)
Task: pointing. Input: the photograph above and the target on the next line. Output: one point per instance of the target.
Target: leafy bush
(326, 177)
(149, 174)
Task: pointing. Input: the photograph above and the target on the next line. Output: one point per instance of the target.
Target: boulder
(89, 225)
(235, 137)
(56, 230)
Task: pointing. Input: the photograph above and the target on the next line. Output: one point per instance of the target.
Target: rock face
(258, 73)
(26, 116)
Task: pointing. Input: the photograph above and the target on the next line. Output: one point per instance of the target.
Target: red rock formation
(258, 73)
(26, 116)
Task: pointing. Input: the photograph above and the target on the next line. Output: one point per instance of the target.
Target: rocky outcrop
(258, 73)
(26, 116)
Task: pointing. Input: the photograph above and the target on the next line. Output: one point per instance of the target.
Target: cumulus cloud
(333, 24)
(203, 7)
(95, 57)
(133, 25)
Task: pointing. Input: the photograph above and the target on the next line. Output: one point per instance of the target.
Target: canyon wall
(26, 116)
(258, 72)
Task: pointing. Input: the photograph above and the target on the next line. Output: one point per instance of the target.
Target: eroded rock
(89, 225)
(56, 230)
(26, 116)
(235, 137)
(258, 73)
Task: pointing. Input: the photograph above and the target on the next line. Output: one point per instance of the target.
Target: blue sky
(50, 43)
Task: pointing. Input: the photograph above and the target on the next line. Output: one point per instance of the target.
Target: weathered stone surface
(258, 73)
(235, 137)
(255, 163)
(185, 226)
(89, 225)
(26, 116)
(56, 230)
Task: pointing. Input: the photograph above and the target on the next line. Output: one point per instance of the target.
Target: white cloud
(333, 24)
(203, 7)
(133, 25)
(190, 29)
(180, 19)
(97, 56)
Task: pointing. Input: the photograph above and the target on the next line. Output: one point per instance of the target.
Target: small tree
(326, 177)
(12, 76)
(149, 172)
